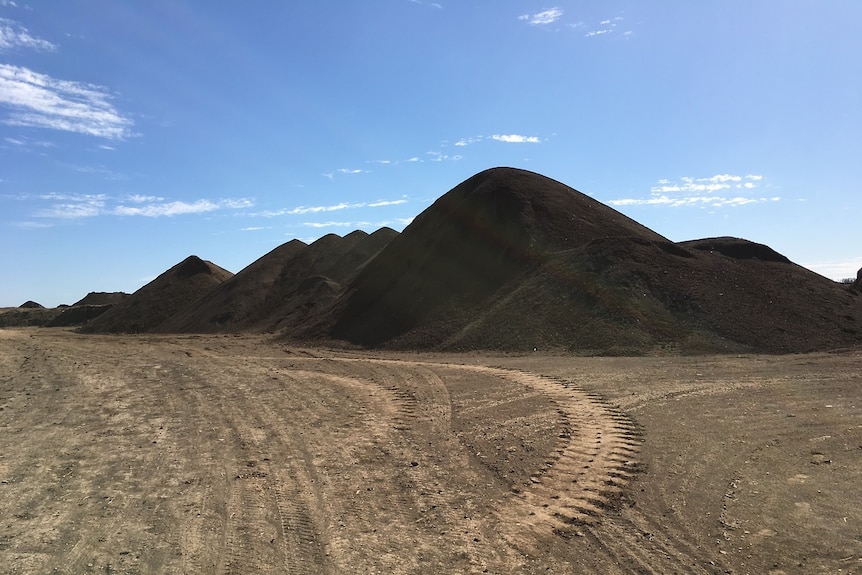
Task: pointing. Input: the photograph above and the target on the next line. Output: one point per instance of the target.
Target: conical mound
(172, 291)
(285, 287)
(484, 233)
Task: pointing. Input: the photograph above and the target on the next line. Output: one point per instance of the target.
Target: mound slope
(496, 227)
(162, 298)
(290, 285)
(512, 260)
(101, 298)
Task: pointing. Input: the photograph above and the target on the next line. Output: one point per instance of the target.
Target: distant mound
(289, 286)
(736, 248)
(77, 315)
(162, 298)
(101, 298)
(31, 305)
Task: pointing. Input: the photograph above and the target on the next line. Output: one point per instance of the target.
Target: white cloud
(330, 208)
(40, 101)
(467, 141)
(606, 27)
(352, 171)
(515, 139)
(382, 203)
(140, 198)
(542, 18)
(12, 36)
(32, 225)
(255, 228)
(77, 206)
(327, 224)
(178, 208)
(836, 270)
(441, 157)
(701, 192)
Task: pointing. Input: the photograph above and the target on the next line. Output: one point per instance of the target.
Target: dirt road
(228, 454)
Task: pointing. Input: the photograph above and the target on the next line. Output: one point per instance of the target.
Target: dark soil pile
(78, 315)
(512, 260)
(455, 258)
(289, 286)
(31, 305)
(102, 298)
(162, 298)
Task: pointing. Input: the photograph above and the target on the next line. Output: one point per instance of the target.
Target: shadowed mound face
(490, 229)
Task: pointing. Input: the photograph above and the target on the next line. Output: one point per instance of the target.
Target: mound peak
(162, 298)
(484, 233)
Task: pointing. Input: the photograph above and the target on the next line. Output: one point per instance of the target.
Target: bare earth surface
(232, 454)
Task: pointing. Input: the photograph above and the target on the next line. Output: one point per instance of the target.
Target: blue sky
(133, 134)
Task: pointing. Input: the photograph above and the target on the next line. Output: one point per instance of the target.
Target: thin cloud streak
(301, 210)
(542, 18)
(39, 101)
(13, 35)
(515, 139)
(701, 192)
(78, 206)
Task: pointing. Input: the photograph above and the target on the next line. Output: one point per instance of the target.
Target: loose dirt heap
(162, 298)
(512, 260)
(101, 298)
(289, 286)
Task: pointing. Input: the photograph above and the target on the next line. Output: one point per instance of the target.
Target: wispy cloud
(31, 225)
(721, 190)
(13, 35)
(515, 139)
(542, 18)
(40, 101)
(606, 27)
(441, 157)
(328, 224)
(431, 4)
(255, 228)
(836, 270)
(78, 206)
(301, 210)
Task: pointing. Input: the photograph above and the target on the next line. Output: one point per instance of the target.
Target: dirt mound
(284, 288)
(101, 298)
(162, 298)
(491, 230)
(31, 305)
(737, 248)
(511, 260)
(78, 315)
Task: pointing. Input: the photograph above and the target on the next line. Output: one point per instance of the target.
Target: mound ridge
(290, 285)
(510, 260)
(497, 226)
(162, 298)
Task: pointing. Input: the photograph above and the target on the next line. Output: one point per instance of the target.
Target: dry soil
(235, 454)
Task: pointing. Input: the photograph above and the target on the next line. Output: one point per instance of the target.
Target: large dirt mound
(510, 260)
(287, 286)
(513, 260)
(497, 226)
(162, 298)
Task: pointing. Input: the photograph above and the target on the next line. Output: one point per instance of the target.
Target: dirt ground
(233, 454)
